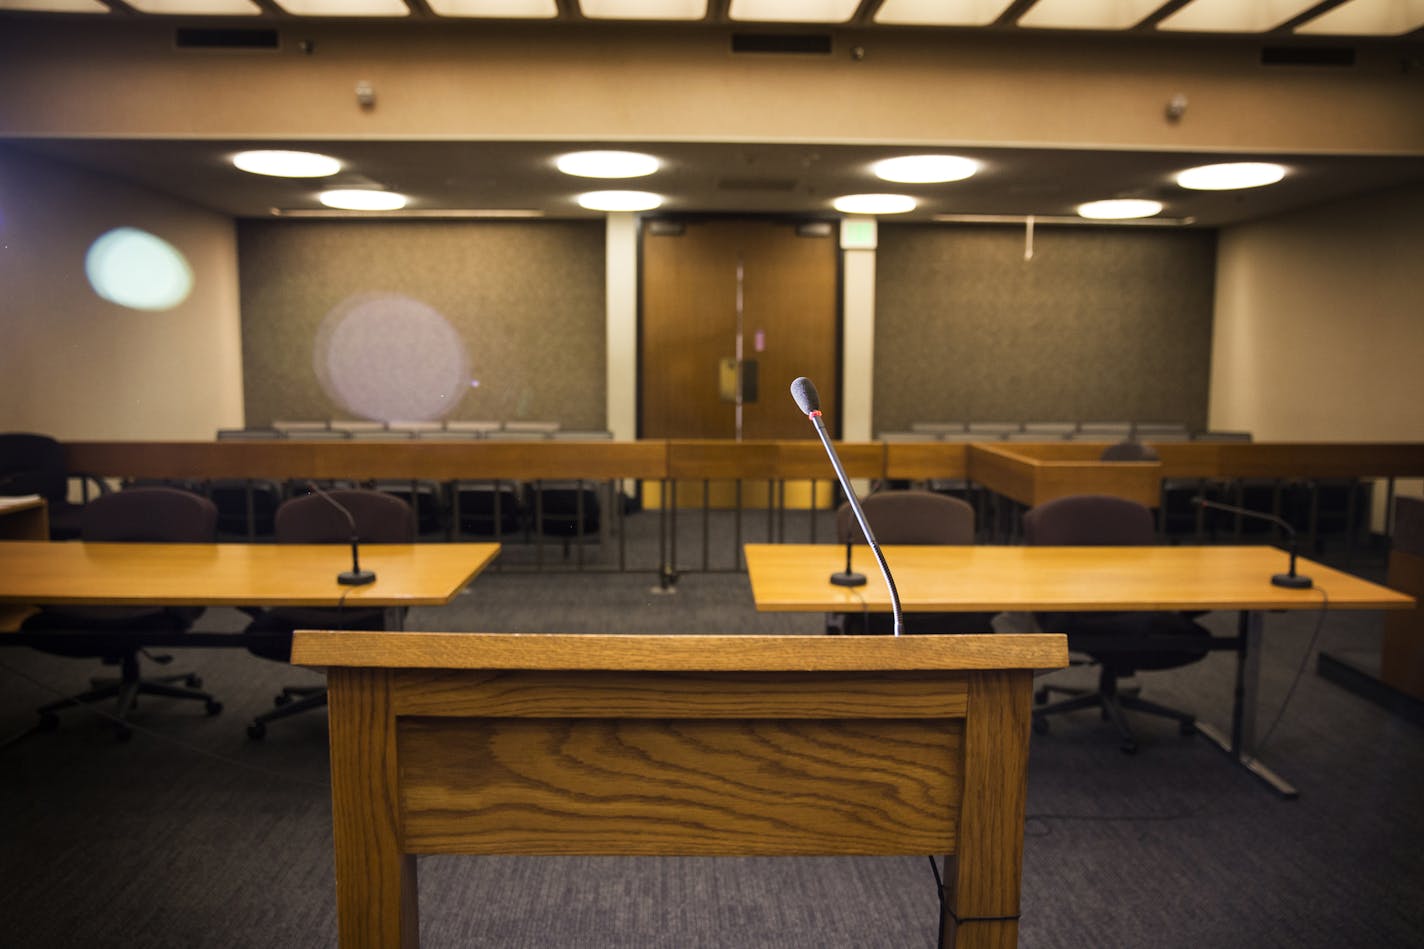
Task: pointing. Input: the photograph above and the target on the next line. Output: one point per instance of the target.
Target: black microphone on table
(804, 392)
(1289, 579)
(355, 577)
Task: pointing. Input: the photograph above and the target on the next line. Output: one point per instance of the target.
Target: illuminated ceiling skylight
(607, 164)
(1088, 14)
(362, 199)
(925, 169)
(940, 12)
(1368, 18)
(1119, 209)
(1234, 16)
(792, 11)
(56, 6)
(344, 7)
(643, 9)
(286, 164)
(197, 7)
(496, 9)
(619, 200)
(874, 204)
(1231, 176)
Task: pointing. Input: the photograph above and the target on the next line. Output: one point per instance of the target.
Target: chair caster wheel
(256, 731)
(194, 682)
(1187, 728)
(1040, 726)
(213, 707)
(1129, 747)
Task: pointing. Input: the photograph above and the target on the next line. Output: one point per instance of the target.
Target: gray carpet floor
(191, 835)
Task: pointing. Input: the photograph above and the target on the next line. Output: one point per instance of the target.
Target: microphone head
(804, 392)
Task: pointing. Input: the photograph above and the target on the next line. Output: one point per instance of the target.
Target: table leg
(1241, 746)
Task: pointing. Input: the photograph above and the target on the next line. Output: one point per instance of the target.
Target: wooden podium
(476, 743)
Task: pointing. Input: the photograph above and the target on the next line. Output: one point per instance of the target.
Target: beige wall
(76, 366)
(1319, 326)
(490, 80)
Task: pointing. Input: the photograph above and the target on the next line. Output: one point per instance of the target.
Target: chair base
(1112, 701)
(293, 700)
(126, 688)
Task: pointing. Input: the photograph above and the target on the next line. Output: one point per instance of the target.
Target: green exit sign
(858, 233)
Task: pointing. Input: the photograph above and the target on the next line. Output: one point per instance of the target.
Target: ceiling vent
(1307, 56)
(801, 43)
(208, 38)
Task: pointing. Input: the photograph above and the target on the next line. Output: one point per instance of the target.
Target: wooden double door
(706, 284)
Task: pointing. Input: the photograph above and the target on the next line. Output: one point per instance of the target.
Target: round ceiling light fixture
(607, 164)
(925, 169)
(1119, 209)
(1230, 176)
(619, 200)
(286, 164)
(362, 199)
(874, 204)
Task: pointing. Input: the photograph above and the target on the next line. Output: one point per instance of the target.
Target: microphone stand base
(846, 579)
(1292, 581)
(355, 578)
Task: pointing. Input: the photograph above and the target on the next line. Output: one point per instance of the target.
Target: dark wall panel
(1102, 324)
(422, 320)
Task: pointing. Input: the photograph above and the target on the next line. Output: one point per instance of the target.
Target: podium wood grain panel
(641, 745)
(677, 786)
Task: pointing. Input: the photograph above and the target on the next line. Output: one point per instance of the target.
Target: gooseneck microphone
(1289, 579)
(809, 401)
(355, 577)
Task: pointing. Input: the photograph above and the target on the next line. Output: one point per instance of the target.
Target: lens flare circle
(390, 356)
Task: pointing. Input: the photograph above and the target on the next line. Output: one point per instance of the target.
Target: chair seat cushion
(269, 635)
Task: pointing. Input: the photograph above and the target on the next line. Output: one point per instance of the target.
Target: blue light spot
(136, 269)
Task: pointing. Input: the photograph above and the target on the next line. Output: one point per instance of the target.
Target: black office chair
(311, 519)
(907, 517)
(119, 635)
(1121, 643)
(35, 464)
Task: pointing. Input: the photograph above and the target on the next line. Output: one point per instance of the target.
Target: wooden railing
(780, 478)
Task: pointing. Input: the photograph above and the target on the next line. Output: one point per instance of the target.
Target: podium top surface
(676, 653)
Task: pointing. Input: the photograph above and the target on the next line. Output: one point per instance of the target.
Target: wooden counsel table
(537, 744)
(794, 577)
(116, 574)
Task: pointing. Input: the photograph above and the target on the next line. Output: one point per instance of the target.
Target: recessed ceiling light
(607, 164)
(619, 200)
(874, 204)
(284, 164)
(925, 169)
(1119, 209)
(1231, 175)
(362, 199)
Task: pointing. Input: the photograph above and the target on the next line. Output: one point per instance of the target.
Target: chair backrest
(1090, 520)
(909, 517)
(150, 515)
(1129, 450)
(32, 464)
(312, 519)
